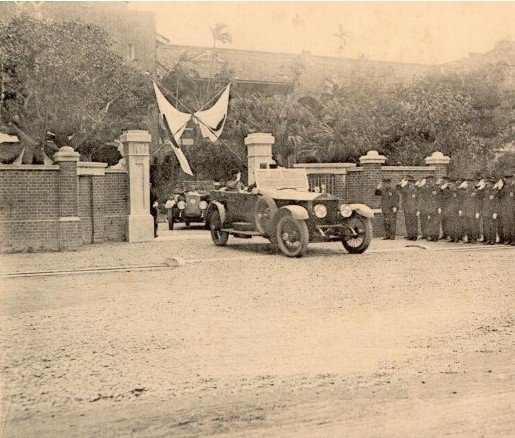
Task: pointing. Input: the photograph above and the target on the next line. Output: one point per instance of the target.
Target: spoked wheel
(215, 224)
(292, 236)
(360, 234)
(263, 214)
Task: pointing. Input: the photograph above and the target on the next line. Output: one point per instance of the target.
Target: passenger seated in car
(235, 183)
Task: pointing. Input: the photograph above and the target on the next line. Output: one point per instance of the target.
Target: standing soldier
(489, 212)
(389, 207)
(506, 190)
(446, 193)
(432, 208)
(468, 210)
(445, 196)
(481, 193)
(409, 195)
(154, 208)
(421, 207)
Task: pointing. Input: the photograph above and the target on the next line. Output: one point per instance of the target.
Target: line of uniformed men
(451, 209)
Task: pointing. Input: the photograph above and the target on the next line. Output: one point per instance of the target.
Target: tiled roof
(266, 67)
(245, 65)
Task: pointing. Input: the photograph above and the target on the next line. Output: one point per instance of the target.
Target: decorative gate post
(372, 163)
(136, 153)
(69, 231)
(440, 162)
(259, 152)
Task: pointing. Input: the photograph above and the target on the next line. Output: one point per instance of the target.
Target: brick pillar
(69, 231)
(440, 162)
(371, 163)
(259, 152)
(98, 193)
(136, 153)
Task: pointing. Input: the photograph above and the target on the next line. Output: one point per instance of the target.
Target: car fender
(363, 210)
(221, 210)
(297, 211)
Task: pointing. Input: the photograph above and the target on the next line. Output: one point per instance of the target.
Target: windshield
(282, 179)
(193, 186)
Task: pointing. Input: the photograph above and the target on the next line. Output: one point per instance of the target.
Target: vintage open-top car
(281, 208)
(189, 204)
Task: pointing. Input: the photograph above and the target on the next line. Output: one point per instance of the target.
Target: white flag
(174, 122)
(212, 121)
(183, 161)
(175, 119)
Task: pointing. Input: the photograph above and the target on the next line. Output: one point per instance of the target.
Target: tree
(67, 87)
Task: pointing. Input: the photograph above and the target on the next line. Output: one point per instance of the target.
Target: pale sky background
(427, 33)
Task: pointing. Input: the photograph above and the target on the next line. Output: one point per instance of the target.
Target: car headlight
(202, 205)
(181, 204)
(320, 211)
(345, 210)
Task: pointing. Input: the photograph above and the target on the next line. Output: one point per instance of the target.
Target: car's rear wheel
(263, 215)
(215, 224)
(360, 234)
(292, 236)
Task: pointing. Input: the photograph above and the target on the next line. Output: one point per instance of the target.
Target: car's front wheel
(215, 224)
(292, 236)
(360, 234)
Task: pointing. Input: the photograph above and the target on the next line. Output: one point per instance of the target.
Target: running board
(245, 233)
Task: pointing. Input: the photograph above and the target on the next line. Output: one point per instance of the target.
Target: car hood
(295, 195)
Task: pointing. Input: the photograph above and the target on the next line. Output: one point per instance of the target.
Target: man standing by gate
(389, 206)
(409, 194)
(430, 208)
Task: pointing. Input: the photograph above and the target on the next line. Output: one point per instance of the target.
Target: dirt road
(408, 343)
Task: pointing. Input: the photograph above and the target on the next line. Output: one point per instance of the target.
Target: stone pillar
(440, 162)
(69, 231)
(259, 152)
(136, 153)
(371, 163)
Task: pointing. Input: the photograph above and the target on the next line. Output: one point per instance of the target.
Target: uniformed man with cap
(409, 194)
(420, 184)
(431, 203)
(506, 191)
(489, 212)
(468, 210)
(389, 206)
(447, 201)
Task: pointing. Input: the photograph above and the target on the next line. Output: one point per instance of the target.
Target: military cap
(430, 177)
(409, 178)
(387, 180)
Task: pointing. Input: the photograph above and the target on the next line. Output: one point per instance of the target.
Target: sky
(409, 32)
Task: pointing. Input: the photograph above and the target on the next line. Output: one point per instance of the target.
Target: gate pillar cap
(135, 136)
(437, 158)
(66, 153)
(372, 157)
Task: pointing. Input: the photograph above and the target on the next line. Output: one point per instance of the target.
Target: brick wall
(85, 209)
(29, 208)
(34, 197)
(116, 205)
